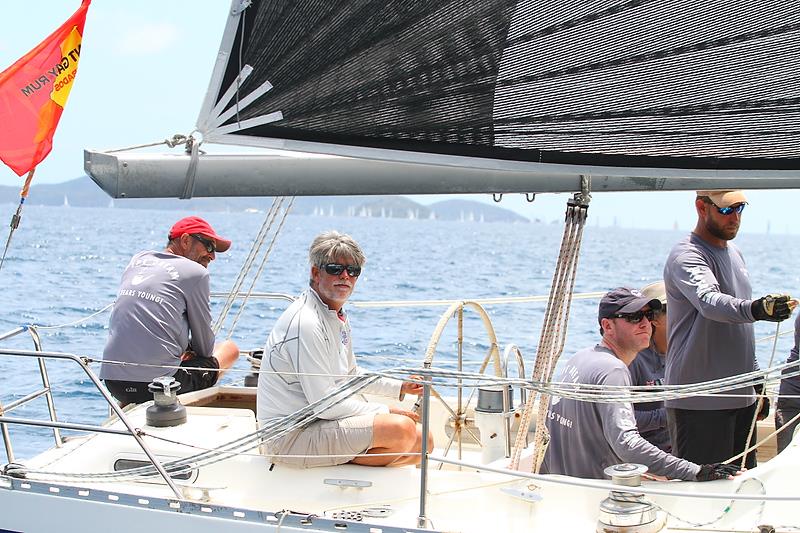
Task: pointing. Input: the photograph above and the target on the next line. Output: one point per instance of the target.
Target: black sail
(706, 84)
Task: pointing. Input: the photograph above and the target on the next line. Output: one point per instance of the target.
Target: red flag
(33, 92)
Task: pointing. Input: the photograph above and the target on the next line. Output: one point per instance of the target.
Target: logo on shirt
(345, 337)
(140, 278)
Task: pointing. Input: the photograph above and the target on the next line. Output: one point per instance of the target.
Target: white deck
(243, 490)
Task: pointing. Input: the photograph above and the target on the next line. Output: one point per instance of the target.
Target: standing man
(587, 437)
(310, 353)
(710, 325)
(648, 369)
(162, 317)
(787, 410)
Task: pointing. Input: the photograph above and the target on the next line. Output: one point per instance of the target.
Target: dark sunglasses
(334, 269)
(211, 247)
(738, 208)
(635, 318)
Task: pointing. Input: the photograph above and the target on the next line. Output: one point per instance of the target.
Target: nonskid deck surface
(464, 500)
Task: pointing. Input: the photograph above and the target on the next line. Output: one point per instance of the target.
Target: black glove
(772, 307)
(764, 411)
(716, 471)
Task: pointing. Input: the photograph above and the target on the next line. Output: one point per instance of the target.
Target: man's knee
(226, 353)
(395, 431)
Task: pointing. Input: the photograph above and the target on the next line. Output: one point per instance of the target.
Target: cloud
(147, 39)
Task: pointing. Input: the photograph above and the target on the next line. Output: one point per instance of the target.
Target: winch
(628, 512)
(166, 410)
(492, 420)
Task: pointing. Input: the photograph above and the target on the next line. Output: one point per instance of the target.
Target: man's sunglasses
(738, 208)
(210, 245)
(635, 318)
(334, 269)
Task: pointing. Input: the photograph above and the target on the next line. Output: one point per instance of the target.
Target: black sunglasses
(635, 318)
(210, 245)
(334, 269)
(738, 208)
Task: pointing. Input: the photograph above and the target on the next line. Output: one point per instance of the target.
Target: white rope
(75, 322)
(553, 336)
(759, 403)
(176, 140)
(576, 391)
(481, 301)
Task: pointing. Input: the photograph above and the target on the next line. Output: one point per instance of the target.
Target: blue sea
(65, 263)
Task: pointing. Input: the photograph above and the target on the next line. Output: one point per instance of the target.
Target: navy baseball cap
(624, 300)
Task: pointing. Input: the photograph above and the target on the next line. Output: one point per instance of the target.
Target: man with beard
(309, 354)
(710, 330)
(162, 317)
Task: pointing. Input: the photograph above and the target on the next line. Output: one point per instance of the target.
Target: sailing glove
(772, 307)
(716, 471)
(764, 411)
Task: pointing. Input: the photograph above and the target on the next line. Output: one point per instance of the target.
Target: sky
(144, 71)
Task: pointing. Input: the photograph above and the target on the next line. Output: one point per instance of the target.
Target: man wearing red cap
(162, 317)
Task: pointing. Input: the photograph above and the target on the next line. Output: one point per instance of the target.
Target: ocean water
(64, 265)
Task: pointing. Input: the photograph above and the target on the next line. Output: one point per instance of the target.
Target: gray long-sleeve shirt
(709, 324)
(651, 417)
(587, 437)
(791, 385)
(161, 300)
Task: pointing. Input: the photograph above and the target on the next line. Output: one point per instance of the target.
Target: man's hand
(409, 387)
(188, 355)
(716, 471)
(764, 411)
(773, 307)
(410, 414)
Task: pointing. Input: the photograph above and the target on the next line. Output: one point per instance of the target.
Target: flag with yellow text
(33, 92)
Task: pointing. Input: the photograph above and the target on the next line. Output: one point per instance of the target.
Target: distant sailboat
(66, 201)
(110, 203)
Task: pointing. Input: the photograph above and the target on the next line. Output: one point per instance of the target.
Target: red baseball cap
(198, 225)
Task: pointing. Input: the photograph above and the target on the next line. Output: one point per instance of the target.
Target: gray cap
(624, 300)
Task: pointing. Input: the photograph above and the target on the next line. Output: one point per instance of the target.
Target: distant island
(82, 192)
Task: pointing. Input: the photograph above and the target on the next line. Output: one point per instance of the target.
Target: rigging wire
(264, 260)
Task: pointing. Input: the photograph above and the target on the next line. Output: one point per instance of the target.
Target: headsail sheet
(707, 84)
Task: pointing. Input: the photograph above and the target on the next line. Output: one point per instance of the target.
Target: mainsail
(526, 92)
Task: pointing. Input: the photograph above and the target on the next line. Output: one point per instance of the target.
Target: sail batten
(636, 83)
(476, 96)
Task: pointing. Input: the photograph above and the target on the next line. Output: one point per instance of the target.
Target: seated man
(587, 437)
(162, 317)
(310, 353)
(787, 412)
(648, 369)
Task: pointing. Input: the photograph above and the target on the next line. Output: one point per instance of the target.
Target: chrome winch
(166, 410)
(625, 511)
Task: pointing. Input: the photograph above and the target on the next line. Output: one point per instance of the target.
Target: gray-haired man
(310, 353)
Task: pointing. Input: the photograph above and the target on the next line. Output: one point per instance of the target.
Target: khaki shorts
(345, 438)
